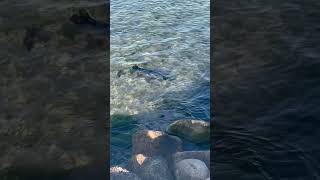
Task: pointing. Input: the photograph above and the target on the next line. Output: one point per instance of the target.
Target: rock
(119, 173)
(155, 143)
(208, 178)
(191, 169)
(150, 168)
(197, 131)
(201, 155)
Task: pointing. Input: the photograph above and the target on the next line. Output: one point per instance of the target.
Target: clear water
(164, 36)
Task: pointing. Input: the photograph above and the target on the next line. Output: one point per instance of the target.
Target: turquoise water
(162, 36)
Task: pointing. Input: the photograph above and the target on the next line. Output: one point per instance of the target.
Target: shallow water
(267, 83)
(163, 36)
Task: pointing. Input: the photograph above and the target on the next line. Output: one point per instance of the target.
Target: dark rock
(119, 173)
(197, 131)
(150, 168)
(155, 143)
(201, 155)
(191, 169)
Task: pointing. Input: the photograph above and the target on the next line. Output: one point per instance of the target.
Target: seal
(150, 74)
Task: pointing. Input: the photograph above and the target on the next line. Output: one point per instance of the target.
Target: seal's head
(135, 67)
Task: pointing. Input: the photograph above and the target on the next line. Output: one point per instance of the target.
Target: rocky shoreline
(158, 155)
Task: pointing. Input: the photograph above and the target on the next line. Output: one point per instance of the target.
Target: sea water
(161, 36)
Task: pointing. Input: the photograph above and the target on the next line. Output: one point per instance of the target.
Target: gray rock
(191, 169)
(208, 178)
(155, 143)
(197, 131)
(201, 155)
(119, 173)
(150, 168)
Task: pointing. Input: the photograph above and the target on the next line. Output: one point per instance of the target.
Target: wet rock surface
(197, 131)
(191, 169)
(159, 156)
(155, 143)
(151, 168)
(119, 173)
(200, 155)
(53, 89)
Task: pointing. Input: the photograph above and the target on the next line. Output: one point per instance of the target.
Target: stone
(119, 173)
(197, 131)
(150, 168)
(191, 169)
(155, 143)
(201, 155)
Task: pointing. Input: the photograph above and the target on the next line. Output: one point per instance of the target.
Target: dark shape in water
(149, 74)
(84, 18)
(120, 73)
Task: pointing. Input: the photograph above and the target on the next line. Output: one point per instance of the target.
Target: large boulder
(150, 168)
(155, 143)
(191, 169)
(119, 173)
(201, 155)
(196, 131)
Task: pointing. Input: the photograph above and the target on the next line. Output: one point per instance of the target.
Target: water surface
(267, 90)
(164, 36)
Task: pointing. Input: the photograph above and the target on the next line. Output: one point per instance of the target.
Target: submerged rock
(191, 169)
(200, 155)
(155, 143)
(150, 168)
(119, 173)
(197, 131)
